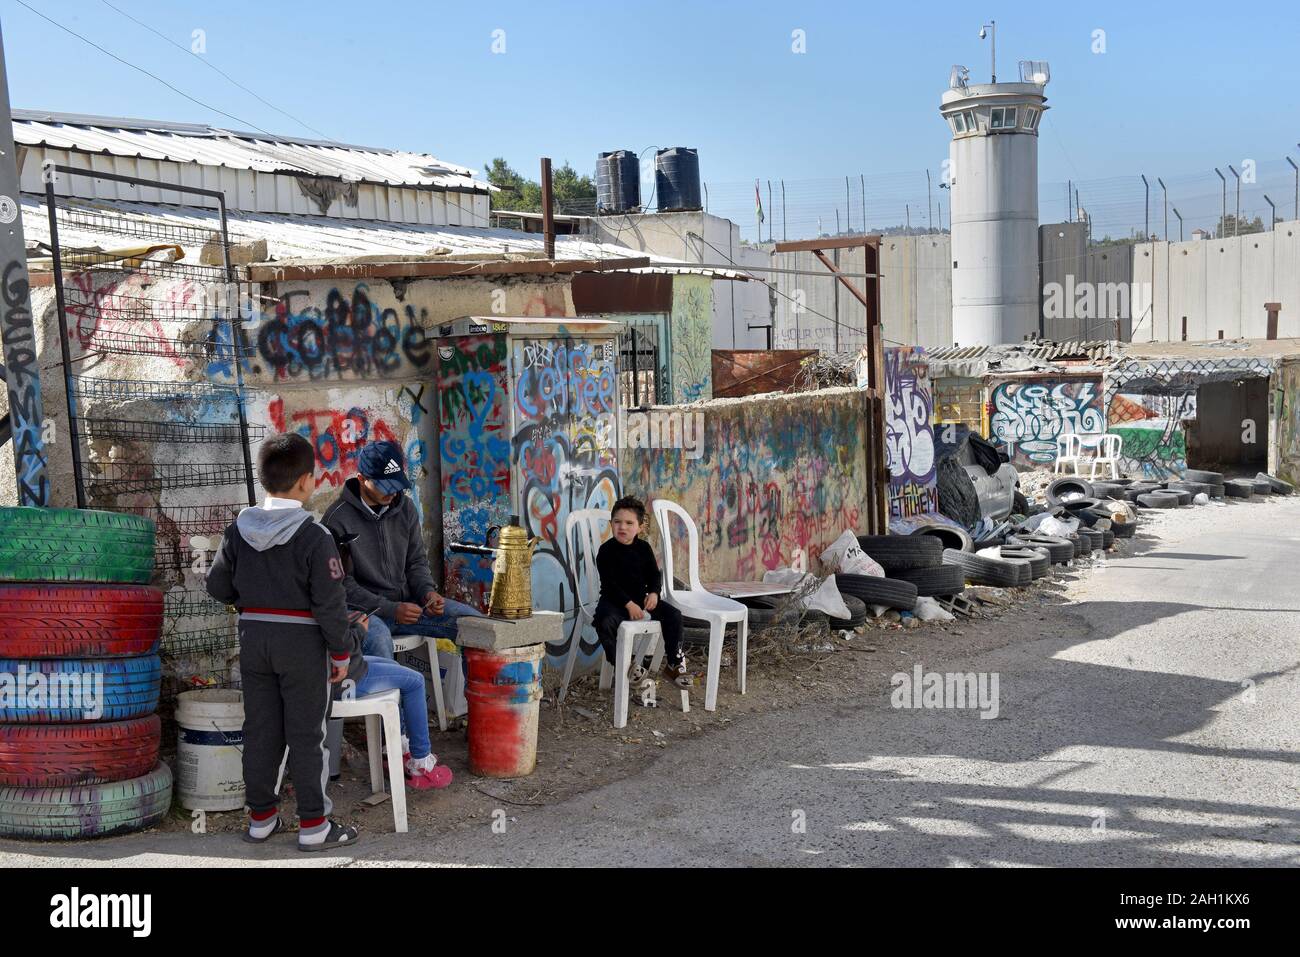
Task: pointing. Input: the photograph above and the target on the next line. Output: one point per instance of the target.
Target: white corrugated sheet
(319, 237)
(210, 146)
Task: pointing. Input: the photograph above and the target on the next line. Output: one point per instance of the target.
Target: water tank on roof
(618, 182)
(677, 179)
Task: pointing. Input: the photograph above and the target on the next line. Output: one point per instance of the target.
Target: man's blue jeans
(385, 675)
(379, 633)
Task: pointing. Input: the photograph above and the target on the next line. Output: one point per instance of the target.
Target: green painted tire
(75, 545)
(88, 810)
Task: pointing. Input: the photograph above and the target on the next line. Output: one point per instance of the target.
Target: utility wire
(211, 66)
(140, 69)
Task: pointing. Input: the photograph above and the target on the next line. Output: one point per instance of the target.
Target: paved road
(1125, 736)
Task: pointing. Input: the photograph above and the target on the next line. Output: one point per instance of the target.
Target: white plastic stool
(382, 713)
(410, 643)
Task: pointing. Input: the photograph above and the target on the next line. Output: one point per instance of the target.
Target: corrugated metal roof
(290, 238)
(1095, 350)
(211, 146)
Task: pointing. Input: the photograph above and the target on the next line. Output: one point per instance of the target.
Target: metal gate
(140, 329)
(644, 376)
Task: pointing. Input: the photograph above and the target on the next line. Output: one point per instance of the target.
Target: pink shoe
(439, 777)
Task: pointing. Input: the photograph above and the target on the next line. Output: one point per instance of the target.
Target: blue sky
(1179, 89)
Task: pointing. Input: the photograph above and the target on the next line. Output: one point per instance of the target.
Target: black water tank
(618, 182)
(677, 179)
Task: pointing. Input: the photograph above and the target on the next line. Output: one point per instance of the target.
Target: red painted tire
(63, 755)
(79, 621)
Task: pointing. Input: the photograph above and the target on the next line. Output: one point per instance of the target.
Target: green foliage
(525, 195)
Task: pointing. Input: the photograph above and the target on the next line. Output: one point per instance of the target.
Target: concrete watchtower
(993, 176)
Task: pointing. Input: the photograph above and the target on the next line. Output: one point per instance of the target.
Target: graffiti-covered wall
(1286, 399)
(773, 475)
(1029, 414)
(472, 397)
(1148, 400)
(909, 434)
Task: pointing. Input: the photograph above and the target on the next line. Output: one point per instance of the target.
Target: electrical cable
(216, 69)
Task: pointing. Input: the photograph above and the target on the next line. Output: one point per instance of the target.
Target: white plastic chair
(1109, 447)
(696, 601)
(1069, 448)
(381, 711)
(636, 639)
(410, 643)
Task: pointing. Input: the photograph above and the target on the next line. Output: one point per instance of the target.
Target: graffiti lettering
(909, 436)
(25, 410)
(1029, 416)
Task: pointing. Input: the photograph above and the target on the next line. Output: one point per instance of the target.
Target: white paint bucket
(210, 750)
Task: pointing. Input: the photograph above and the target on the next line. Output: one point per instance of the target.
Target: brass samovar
(512, 574)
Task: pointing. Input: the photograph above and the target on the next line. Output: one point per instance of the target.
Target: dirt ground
(579, 750)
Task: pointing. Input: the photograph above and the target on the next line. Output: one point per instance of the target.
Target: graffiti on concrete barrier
(779, 476)
(26, 412)
(349, 338)
(474, 448)
(564, 393)
(1028, 416)
(337, 435)
(1147, 402)
(909, 435)
(1288, 432)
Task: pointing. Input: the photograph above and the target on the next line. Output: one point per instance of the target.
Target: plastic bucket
(210, 750)
(503, 690)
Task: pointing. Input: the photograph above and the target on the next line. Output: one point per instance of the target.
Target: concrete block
(497, 634)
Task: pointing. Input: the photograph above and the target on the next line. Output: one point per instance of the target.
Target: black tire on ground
(1261, 486)
(1124, 529)
(940, 580)
(1019, 504)
(1093, 537)
(90, 810)
(1040, 562)
(1201, 475)
(857, 614)
(1060, 550)
(75, 545)
(1184, 497)
(1156, 500)
(1107, 490)
(1107, 538)
(1217, 491)
(1196, 488)
(889, 592)
(949, 536)
(900, 552)
(986, 571)
(1069, 485)
(1121, 481)
(1080, 543)
(1279, 486)
(1238, 488)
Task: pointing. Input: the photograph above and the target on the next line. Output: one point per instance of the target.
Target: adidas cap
(384, 464)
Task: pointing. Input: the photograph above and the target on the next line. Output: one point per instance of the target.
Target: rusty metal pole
(548, 214)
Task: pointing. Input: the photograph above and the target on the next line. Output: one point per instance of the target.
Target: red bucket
(503, 689)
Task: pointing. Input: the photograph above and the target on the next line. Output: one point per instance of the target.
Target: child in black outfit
(283, 572)
(629, 590)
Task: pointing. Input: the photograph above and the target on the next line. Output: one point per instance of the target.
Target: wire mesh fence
(184, 432)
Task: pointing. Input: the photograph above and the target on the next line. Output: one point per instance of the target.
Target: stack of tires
(914, 568)
(79, 675)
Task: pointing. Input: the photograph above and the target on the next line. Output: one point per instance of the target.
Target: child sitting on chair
(629, 591)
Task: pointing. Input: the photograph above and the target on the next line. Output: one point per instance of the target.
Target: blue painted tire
(128, 688)
(88, 810)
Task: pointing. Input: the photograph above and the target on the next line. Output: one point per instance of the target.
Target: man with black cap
(390, 566)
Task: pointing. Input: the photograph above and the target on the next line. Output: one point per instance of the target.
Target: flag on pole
(758, 204)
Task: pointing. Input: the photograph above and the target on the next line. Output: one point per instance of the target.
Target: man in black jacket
(390, 566)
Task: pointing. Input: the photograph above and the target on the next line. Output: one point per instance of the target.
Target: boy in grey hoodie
(282, 571)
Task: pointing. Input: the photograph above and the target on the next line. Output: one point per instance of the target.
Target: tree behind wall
(524, 195)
